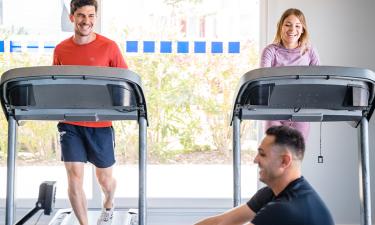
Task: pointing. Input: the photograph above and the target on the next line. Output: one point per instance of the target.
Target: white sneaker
(106, 217)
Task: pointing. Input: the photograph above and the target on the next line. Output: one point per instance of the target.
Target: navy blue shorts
(82, 144)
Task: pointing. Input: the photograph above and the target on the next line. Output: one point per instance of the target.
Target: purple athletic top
(275, 55)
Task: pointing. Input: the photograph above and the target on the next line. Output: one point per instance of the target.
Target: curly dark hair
(288, 137)
(75, 4)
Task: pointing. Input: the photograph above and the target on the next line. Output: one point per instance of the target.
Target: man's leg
(108, 184)
(77, 197)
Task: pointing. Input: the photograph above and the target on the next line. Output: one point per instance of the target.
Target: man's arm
(236, 216)
(117, 58)
(55, 59)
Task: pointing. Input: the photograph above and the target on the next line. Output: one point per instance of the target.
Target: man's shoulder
(65, 43)
(298, 189)
(104, 40)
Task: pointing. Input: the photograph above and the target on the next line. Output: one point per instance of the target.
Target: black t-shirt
(297, 204)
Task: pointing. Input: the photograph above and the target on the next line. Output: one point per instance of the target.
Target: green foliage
(36, 140)
(189, 98)
(3, 137)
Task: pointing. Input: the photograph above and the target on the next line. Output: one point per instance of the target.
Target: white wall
(343, 34)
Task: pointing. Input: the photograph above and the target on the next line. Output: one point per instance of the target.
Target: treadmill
(307, 94)
(73, 93)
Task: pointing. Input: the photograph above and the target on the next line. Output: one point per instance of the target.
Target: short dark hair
(75, 4)
(288, 137)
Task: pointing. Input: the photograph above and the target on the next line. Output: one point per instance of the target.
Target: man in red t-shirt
(88, 141)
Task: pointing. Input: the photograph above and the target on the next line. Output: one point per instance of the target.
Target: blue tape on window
(165, 47)
(131, 46)
(49, 46)
(149, 46)
(14, 47)
(233, 47)
(216, 47)
(1, 46)
(32, 47)
(199, 47)
(182, 47)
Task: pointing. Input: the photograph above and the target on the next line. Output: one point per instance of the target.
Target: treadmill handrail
(95, 71)
(282, 71)
(304, 72)
(74, 72)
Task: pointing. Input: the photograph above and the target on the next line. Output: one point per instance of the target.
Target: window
(190, 55)
(189, 89)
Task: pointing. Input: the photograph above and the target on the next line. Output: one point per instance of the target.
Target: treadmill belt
(67, 217)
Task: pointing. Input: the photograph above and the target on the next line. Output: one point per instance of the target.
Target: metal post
(11, 168)
(142, 204)
(236, 161)
(364, 174)
(1, 12)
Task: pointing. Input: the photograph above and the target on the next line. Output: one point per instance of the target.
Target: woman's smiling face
(291, 31)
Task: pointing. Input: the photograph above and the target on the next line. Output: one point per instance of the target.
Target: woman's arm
(314, 57)
(267, 56)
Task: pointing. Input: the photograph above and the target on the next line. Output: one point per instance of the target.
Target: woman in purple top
(290, 47)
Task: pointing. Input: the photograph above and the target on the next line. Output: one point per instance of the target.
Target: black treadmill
(72, 93)
(307, 93)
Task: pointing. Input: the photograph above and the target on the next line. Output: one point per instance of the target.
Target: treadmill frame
(80, 74)
(290, 75)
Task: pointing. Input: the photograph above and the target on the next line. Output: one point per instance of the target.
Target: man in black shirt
(288, 198)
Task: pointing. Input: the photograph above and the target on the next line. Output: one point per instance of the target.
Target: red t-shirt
(100, 52)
